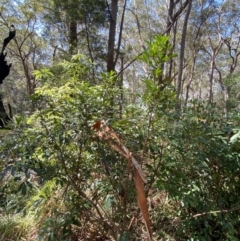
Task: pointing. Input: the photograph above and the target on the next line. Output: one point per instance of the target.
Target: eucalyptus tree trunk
(190, 79)
(72, 38)
(234, 53)
(170, 24)
(213, 55)
(112, 34)
(121, 88)
(181, 57)
(175, 10)
(212, 67)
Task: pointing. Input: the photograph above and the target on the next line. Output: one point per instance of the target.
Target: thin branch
(139, 28)
(218, 211)
(129, 64)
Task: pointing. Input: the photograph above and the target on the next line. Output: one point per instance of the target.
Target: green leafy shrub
(199, 169)
(77, 186)
(91, 184)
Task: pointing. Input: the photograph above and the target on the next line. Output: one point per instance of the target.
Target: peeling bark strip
(142, 201)
(107, 134)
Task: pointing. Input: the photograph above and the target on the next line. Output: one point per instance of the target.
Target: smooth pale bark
(171, 62)
(213, 55)
(89, 49)
(212, 67)
(170, 24)
(234, 54)
(121, 88)
(225, 93)
(173, 15)
(190, 79)
(234, 62)
(182, 50)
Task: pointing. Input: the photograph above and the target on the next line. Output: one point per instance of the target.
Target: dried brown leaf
(142, 201)
(106, 133)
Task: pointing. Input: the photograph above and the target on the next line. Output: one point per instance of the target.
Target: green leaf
(23, 188)
(235, 138)
(109, 202)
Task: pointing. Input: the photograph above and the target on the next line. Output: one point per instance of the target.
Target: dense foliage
(56, 170)
(171, 93)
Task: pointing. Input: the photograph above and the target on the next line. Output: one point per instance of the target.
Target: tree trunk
(190, 80)
(72, 37)
(112, 35)
(170, 16)
(121, 89)
(181, 57)
(4, 117)
(90, 50)
(225, 93)
(212, 66)
(172, 62)
(173, 15)
(120, 33)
